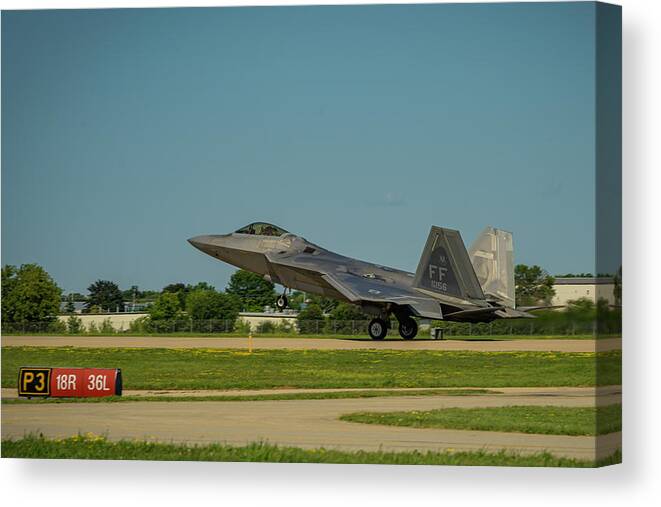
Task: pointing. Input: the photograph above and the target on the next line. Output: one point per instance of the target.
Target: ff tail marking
(445, 267)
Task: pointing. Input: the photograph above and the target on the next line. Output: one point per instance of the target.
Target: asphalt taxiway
(313, 423)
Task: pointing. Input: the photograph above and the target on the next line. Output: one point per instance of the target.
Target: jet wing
(359, 289)
(475, 313)
(355, 288)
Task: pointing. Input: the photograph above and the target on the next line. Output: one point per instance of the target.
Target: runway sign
(34, 381)
(69, 382)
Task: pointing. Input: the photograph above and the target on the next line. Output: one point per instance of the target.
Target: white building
(122, 321)
(592, 288)
(254, 319)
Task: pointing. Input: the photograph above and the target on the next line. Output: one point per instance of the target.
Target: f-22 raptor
(450, 283)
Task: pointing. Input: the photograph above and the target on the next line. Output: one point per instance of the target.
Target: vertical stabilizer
(492, 256)
(445, 267)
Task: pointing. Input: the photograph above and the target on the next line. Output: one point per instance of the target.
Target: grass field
(95, 447)
(424, 335)
(232, 369)
(547, 420)
(259, 397)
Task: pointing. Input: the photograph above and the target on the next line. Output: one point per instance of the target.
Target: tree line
(29, 294)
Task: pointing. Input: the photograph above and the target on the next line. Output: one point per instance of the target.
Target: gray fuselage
(294, 262)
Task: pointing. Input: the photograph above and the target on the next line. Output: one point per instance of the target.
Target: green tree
(310, 319)
(252, 290)
(212, 311)
(146, 296)
(201, 286)
(266, 327)
(581, 310)
(129, 294)
(346, 318)
(107, 327)
(181, 290)
(29, 294)
(327, 305)
(174, 288)
(74, 296)
(296, 300)
(74, 325)
(609, 318)
(210, 304)
(166, 307)
(347, 311)
(69, 308)
(106, 295)
(533, 285)
(617, 286)
(140, 325)
(57, 326)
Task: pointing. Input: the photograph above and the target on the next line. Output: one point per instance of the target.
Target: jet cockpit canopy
(262, 229)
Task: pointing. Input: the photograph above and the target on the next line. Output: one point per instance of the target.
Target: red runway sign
(69, 382)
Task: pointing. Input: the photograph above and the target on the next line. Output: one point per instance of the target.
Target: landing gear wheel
(408, 328)
(281, 303)
(377, 329)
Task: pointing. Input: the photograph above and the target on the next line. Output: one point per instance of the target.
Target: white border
(636, 482)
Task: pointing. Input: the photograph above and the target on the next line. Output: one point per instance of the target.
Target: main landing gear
(378, 328)
(408, 328)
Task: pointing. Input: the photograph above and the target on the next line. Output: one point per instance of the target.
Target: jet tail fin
(492, 256)
(445, 267)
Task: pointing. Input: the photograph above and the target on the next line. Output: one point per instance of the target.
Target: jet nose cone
(199, 242)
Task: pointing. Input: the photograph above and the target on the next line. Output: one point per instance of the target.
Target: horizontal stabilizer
(533, 308)
(487, 314)
(473, 314)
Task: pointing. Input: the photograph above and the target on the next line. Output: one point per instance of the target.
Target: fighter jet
(450, 282)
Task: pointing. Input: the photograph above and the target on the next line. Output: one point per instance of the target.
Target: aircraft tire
(408, 328)
(377, 329)
(281, 303)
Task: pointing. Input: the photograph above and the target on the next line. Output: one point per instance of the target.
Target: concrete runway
(312, 423)
(562, 345)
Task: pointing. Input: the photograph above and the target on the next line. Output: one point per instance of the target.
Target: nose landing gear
(282, 302)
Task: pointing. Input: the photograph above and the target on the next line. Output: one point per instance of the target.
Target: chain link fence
(140, 326)
(529, 328)
(318, 327)
(33, 327)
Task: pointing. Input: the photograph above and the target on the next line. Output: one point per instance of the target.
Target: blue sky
(125, 132)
